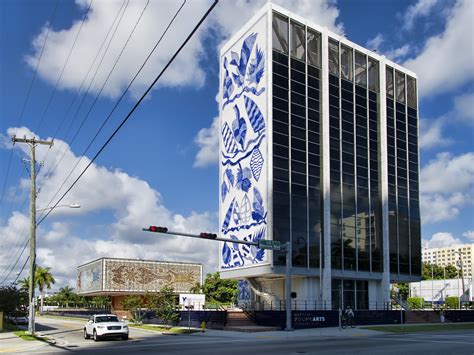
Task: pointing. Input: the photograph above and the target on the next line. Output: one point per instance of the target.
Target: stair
(413, 317)
(239, 321)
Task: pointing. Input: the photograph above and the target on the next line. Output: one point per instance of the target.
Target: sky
(66, 64)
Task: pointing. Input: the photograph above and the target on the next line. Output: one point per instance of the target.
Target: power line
(50, 170)
(126, 118)
(28, 95)
(64, 67)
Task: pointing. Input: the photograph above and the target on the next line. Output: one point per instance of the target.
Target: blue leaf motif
(228, 86)
(256, 67)
(258, 210)
(226, 222)
(239, 127)
(255, 115)
(226, 253)
(256, 163)
(224, 190)
(230, 176)
(241, 63)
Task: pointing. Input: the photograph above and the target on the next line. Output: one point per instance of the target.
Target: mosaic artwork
(243, 288)
(136, 276)
(243, 181)
(89, 277)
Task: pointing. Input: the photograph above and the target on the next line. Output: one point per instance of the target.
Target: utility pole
(33, 142)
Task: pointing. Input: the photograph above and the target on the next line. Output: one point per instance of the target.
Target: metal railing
(309, 305)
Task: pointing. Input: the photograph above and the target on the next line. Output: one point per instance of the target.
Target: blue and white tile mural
(243, 165)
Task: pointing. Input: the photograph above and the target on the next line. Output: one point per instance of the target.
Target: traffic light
(156, 229)
(208, 235)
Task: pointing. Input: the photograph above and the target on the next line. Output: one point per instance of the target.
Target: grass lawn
(421, 327)
(162, 328)
(22, 334)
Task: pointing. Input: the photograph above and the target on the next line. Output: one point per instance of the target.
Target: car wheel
(95, 336)
(86, 336)
(125, 337)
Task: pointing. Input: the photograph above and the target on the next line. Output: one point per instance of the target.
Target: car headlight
(125, 327)
(100, 326)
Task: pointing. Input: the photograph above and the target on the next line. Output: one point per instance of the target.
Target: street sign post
(269, 244)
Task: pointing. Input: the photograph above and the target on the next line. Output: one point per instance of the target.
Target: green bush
(452, 302)
(416, 302)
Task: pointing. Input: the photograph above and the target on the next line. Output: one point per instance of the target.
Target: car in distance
(105, 325)
(17, 319)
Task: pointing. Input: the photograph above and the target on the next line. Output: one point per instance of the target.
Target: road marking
(425, 341)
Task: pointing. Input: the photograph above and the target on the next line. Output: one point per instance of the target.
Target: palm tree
(196, 288)
(24, 284)
(44, 280)
(66, 293)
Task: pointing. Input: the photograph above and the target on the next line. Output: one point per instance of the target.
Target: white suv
(105, 325)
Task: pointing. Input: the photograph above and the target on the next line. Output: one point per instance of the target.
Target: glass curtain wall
(402, 141)
(356, 238)
(296, 143)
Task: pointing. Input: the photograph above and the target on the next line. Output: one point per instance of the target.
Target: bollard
(203, 327)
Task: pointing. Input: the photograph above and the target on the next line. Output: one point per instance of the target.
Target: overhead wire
(127, 117)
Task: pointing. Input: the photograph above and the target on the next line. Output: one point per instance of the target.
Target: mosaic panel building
(318, 147)
(110, 276)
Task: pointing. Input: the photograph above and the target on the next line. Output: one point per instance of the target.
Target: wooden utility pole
(33, 142)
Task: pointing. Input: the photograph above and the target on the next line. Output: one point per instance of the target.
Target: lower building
(438, 290)
(460, 256)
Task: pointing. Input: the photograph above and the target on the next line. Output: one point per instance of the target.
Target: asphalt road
(69, 338)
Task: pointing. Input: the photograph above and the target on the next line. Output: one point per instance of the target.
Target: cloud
(133, 204)
(469, 235)
(207, 140)
(464, 107)
(187, 69)
(446, 184)
(376, 42)
(398, 53)
(441, 240)
(419, 9)
(431, 133)
(447, 60)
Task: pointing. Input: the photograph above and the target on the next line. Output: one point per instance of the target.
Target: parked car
(17, 319)
(105, 325)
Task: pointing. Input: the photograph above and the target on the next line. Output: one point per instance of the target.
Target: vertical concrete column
(326, 274)
(385, 287)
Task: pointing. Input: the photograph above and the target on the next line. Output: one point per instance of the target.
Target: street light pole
(288, 287)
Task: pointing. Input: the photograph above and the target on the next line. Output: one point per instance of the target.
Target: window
(333, 57)
(346, 63)
(389, 79)
(298, 42)
(314, 48)
(280, 33)
(411, 91)
(373, 75)
(400, 86)
(360, 69)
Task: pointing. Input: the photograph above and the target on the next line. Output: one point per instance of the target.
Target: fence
(310, 305)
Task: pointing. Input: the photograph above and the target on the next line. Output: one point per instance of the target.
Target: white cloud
(134, 204)
(447, 59)
(469, 235)
(208, 141)
(431, 133)
(376, 42)
(441, 240)
(446, 185)
(464, 107)
(398, 53)
(419, 9)
(185, 71)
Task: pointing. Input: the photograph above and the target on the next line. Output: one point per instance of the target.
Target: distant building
(438, 290)
(452, 256)
(319, 148)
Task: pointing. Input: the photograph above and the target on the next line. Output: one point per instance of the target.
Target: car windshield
(103, 319)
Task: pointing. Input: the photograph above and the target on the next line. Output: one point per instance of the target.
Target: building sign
(243, 156)
(192, 300)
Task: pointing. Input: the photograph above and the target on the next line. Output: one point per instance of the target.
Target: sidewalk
(9, 343)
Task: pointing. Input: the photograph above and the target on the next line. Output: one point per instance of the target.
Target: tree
(219, 290)
(44, 280)
(66, 294)
(134, 304)
(24, 283)
(402, 290)
(13, 300)
(164, 304)
(196, 288)
(436, 272)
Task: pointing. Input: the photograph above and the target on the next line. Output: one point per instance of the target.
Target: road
(68, 336)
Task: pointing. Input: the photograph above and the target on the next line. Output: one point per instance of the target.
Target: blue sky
(161, 168)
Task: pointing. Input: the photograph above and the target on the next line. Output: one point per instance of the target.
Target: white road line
(425, 341)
